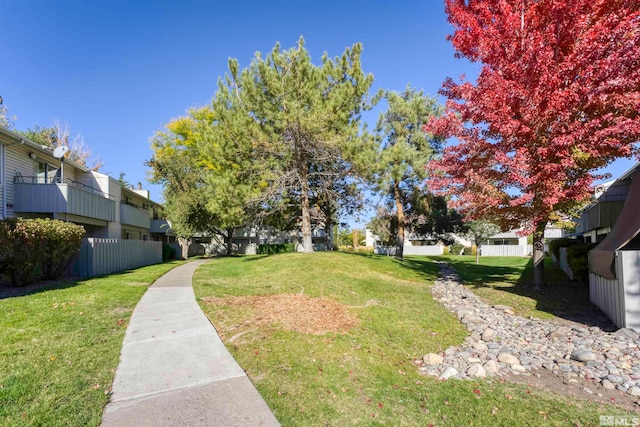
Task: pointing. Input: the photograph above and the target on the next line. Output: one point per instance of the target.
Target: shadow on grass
(425, 268)
(561, 297)
(8, 291)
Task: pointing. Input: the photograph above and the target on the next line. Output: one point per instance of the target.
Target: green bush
(469, 251)
(32, 249)
(456, 248)
(168, 252)
(578, 257)
(445, 250)
(277, 248)
(556, 244)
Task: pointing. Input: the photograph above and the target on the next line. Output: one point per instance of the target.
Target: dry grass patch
(294, 312)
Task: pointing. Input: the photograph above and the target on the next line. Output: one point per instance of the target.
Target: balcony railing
(133, 215)
(160, 226)
(54, 195)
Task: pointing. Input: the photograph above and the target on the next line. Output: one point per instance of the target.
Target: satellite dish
(60, 151)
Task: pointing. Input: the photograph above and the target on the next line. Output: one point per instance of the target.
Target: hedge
(556, 244)
(41, 248)
(168, 252)
(278, 248)
(578, 257)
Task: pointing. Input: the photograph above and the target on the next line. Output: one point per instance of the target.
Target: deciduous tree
(480, 230)
(557, 98)
(60, 135)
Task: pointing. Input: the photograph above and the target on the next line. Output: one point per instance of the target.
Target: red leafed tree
(557, 98)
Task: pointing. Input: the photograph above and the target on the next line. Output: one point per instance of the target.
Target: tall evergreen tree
(404, 151)
(297, 123)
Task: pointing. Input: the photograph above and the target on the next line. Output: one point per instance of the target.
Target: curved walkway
(175, 371)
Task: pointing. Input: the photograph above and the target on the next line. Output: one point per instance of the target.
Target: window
(47, 174)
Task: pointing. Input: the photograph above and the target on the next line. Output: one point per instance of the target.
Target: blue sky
(117, 71)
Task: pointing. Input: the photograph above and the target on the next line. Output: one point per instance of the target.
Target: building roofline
(19, 139)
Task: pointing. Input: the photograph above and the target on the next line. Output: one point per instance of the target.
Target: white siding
(18, 162)
(563, 262)
(620, 298)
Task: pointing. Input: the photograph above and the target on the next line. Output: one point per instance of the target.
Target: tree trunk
(400, 216)
(228, 241)
(184, 247)
(303, 172)
(328, 230)
(355, 239)
(477, 253)
(538, 256)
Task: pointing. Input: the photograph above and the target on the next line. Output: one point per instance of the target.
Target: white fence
(104, 256)
(563, 263)
(409, 250)
(619, 298)
(506, 250)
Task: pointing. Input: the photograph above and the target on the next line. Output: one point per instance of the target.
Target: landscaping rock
(448, 372)
(559, 332)
(634, 391)
(608, 385)
(583, 356)
(500, 342)
(518, 368)
(491, 367)
(508, 358)
(477, 371)
(488, 335)
(432, 359)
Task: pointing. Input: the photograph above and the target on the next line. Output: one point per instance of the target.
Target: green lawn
(507, 281)
(59, 348)
(366, 376)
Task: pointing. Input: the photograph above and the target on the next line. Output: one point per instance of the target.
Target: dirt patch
(579, 388)
(294, 312)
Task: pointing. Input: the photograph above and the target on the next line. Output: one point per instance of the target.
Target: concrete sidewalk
(175, 371)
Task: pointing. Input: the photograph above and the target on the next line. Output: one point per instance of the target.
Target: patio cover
(626, 228)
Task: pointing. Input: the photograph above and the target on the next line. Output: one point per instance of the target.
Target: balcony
(134, 216)
(160, 226)
(600, 215)
(56, 196)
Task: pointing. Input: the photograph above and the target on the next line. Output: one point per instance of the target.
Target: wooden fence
(104, 256)
(506, 250)
(619, 299)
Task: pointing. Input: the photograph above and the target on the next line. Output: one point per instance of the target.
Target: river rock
(583, 356)
(432, 359)
(507, 358)
(448, 372)
(488, 335)
(559, 332)
(476, 370)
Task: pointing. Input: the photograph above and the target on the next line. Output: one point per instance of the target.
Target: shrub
(470, 251)
(578, 257)
(445, 250)
(556, 244)
(31, 249)
(277, 248)
(168, 252)
(456, 249)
